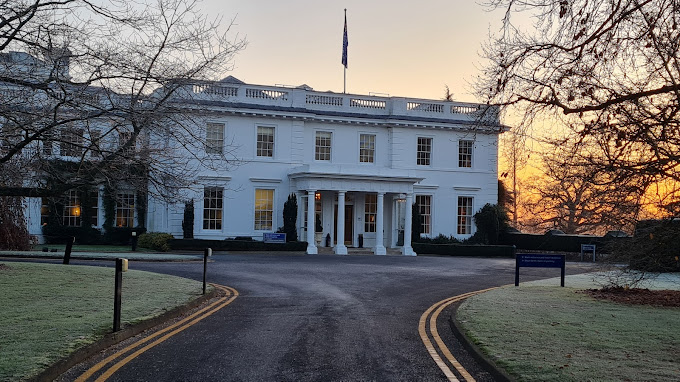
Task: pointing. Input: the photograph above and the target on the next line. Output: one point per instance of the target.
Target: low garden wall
(464, 250)
(236, 245)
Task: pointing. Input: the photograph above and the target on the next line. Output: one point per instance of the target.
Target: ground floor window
(125, 209)
(44, 211)
(464, 215)
(264, 209)
(212, 207)
(72, 210)
(318, 213)
(424, 203)
(94, 207)
(370, 212)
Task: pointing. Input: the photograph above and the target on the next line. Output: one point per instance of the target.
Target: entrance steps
(359, 251)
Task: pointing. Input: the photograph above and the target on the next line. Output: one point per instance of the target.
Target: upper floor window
(367, 148)
(71, 144)
(464, 215)
(214, 138)
(95, 141)
(322, 149)
(212, 207)
(72, 209)
(424, 151)
(465, 153)
(47, 142)
(265, 141)
(125, 209)
(424, 203)
(126, 141)
(264, 209)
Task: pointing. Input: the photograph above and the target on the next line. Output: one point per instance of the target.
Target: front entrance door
(349, 224)
(400, 207)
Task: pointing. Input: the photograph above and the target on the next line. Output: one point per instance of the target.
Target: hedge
(557, 243)
(464, 250)
(236, 245)
(158, 241)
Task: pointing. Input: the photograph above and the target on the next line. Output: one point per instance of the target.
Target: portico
(341, 208)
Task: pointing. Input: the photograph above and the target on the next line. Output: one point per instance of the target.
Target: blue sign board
(271, 237)
(539, 260)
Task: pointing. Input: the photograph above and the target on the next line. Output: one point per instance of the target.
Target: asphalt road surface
(320, 318)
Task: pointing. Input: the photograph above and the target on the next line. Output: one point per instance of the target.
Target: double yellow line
(426, 326)
(230, 295)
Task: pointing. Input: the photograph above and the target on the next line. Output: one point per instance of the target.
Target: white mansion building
(355, 163)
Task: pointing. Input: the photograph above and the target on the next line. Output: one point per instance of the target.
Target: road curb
(482, 359)
(80, 355)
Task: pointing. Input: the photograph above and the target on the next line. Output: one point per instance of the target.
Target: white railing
(464, 109)
(305, 98)
(426, 107)
(367, 103)
(267, 94)
(227, 91)
(313, 99)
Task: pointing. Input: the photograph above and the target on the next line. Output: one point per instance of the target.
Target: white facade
(355, 159)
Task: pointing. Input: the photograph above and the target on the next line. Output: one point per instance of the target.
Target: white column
(379, 245)
(340, 248)
(311, 245)
(407, 250)
(300, 219)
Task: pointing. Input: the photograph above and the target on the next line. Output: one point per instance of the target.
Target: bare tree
(89, 93)
(608, 70)
(577, 198)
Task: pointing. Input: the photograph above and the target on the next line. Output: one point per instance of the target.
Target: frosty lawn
(50, 310)
(548, 333)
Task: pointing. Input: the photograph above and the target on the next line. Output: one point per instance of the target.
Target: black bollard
(117, 294)
(69, 247)
(134, 241)
(206, 253)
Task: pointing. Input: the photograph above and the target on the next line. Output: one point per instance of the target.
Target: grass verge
(49, 310)
(89, 248)
(543, 333)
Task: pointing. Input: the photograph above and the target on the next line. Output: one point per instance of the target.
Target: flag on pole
(345, 43)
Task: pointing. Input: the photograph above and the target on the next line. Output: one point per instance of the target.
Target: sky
(397, 48)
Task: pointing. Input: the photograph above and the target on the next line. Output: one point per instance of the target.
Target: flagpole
(344, 56)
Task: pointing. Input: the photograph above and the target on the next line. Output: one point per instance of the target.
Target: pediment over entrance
(352, 178)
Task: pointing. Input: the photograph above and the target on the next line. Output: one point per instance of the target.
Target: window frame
(125, 212)
(123, 137)
(465, 153)
(367, 153)
(214, 139)
(424, 157)
(464, 215)
(370, 211)
(213, 208)
(73, 210)
(260, 145)
(93, 196)
(327, 154)
(71, 140)
(425, 211)
(263, 218)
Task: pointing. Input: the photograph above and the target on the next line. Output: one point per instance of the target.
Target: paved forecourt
(309, 318)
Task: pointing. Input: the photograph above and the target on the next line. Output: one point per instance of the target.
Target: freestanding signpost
(272, 237)
(537, 260)
(588, 248)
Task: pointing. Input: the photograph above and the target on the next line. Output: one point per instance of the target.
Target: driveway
(320, 318)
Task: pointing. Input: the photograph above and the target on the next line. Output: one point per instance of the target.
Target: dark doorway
(349, 224)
